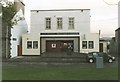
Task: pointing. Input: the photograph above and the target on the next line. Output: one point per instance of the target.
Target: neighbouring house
(11, 40)
(57, 30)
(19, 5)
(6, 32)
(118, 31)
(0, 46)
(16, 34)
(18, 29)
(113, 46)
(104, 44)
(115, 42)
(117, 35)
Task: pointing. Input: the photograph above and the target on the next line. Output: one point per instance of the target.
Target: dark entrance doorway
(59, 45)
(101, 47)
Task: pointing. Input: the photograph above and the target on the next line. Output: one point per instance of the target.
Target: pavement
(54, 59)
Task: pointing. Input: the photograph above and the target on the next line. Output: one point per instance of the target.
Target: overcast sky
(103, 17)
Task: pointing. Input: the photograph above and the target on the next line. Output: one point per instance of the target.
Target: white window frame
(59, 23)
(91, 44)
(35, 44)
(71, 22)
(48, 23)
(84, 44)
(29, 44)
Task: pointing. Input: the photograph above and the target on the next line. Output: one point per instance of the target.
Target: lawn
(59, 73)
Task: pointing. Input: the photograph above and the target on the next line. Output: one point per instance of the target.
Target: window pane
(91, 44)
(29, 44)
(35, 44)
(84, 44)
(59, 23)
(48, 23)
(71, 23)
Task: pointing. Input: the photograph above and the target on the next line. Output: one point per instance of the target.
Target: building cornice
(61, 10)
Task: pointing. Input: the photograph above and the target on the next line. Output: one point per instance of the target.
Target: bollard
(99, 62)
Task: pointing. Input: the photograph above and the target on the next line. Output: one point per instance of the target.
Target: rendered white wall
(17, 31)
(82, 26)
(30, 37)
(89, 37)
(82, 21)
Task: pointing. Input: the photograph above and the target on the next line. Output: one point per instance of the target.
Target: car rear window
(95, 54)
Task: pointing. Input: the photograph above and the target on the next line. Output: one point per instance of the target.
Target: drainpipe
(99, 39)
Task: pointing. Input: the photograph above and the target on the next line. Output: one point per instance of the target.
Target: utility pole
(99, 39)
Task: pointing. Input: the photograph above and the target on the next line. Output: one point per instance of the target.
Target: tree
(8, 13)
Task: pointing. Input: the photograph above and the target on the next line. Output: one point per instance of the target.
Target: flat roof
(61, 10)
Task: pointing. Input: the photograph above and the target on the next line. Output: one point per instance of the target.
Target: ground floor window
(91, 44)
(35, 44)
(29, 44)
(84, 44)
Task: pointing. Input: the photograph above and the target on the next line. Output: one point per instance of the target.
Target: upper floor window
(91, 44)
(48, 23)
(71, 23)
(59, 23)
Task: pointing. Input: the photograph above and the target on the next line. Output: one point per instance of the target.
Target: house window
(84, 44)
(59, 23)
(91, 44)
(71, 23)
(29, 44)
(48, 23)
(14, 39)
(35, 44)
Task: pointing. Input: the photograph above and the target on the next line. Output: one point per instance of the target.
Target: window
(91, 44)
(48, 23)
(14, 39)
(84, 44)
(29, 44)
(35, 44)
(59, 23)
(71, 23)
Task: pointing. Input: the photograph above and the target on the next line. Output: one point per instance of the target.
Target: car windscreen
(95, 54)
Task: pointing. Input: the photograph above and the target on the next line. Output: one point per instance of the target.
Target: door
(101, 47)
(19, 50)
(53, 45)
(59, 45)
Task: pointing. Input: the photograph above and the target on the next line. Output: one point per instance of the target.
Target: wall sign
(53, 45)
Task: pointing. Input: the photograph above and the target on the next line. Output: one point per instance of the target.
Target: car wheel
(91, 60)
(110, 60)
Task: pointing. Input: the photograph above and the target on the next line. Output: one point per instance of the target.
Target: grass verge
(59, 73)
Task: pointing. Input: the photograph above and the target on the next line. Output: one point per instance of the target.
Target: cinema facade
(58, 30)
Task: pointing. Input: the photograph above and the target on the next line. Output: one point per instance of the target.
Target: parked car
(91, 57)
